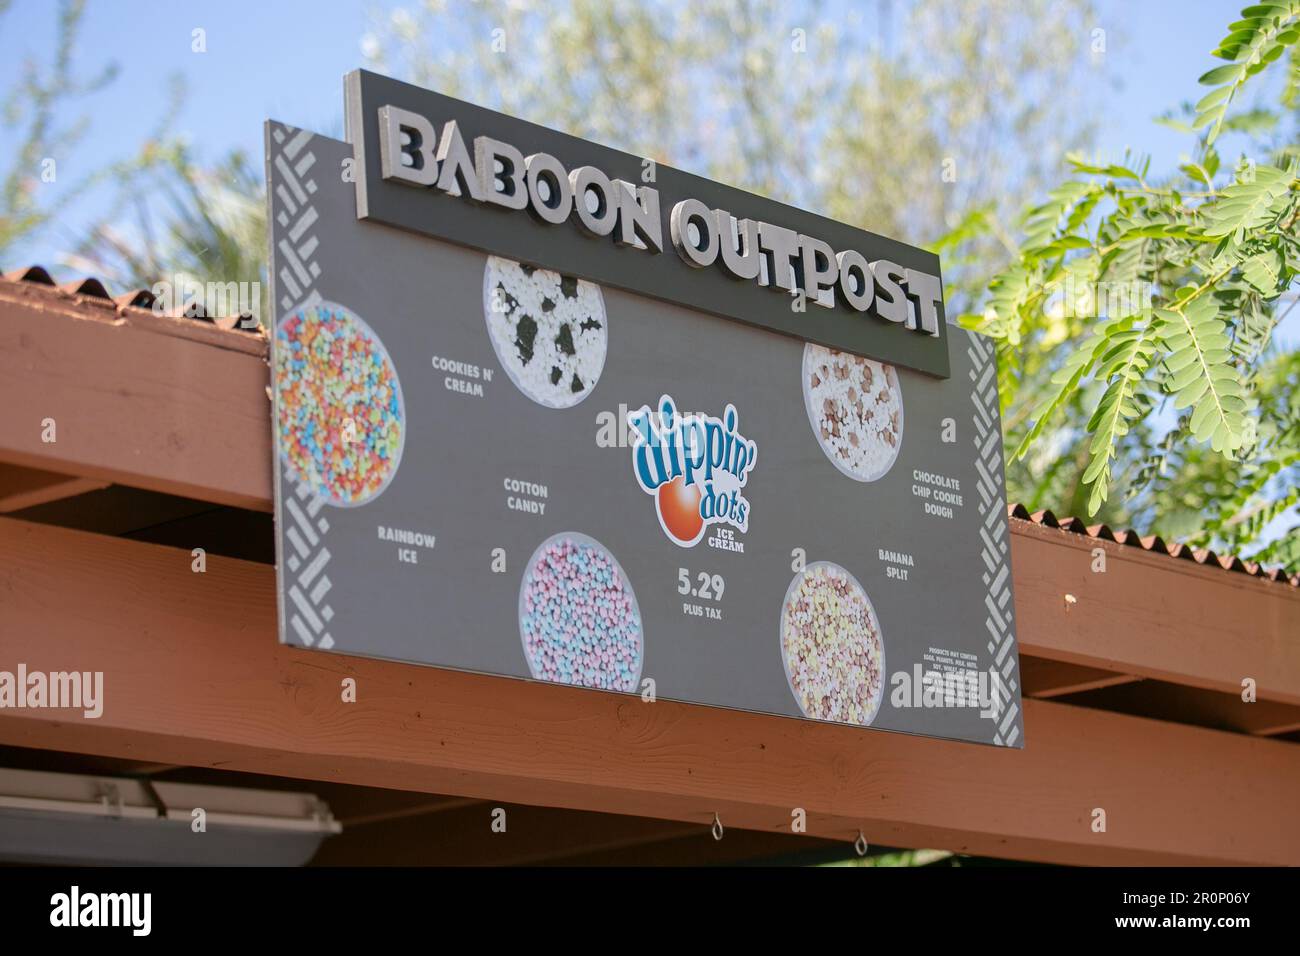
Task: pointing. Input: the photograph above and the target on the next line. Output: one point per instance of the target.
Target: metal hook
(717, 827)
(110, 798)
(860, 844)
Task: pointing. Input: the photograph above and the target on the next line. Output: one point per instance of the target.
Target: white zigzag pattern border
(303, 524)
(994, 546)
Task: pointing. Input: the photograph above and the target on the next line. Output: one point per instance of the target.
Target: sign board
(518, 445)
(650, 228)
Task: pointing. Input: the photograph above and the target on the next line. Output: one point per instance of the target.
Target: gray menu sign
(487, 463)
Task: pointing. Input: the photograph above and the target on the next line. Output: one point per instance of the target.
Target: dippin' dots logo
(695, 466)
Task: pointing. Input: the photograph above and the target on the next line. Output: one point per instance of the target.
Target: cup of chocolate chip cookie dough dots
(855, 408)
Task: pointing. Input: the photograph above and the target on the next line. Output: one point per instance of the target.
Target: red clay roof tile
(1152, 543)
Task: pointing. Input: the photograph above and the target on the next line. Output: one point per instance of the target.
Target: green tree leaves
(1246, 205)
(1202, 375)
(1176, 389)
(29, 113)
(1129, 351)
(1259, 38)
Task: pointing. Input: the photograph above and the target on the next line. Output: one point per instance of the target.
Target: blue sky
(286, 59)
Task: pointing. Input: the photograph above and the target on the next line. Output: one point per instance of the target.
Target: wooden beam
(421, 809)
(1191, 705)
(193, 675)
(170, 405)
(1044, 679)
(1150, 615)
(27, 487)
(178, 406)
(464, 836)
(396, 827)
(546, 835)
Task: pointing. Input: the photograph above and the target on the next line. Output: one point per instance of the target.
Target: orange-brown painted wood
(194, 676)
(140, 399)
(1044, 678)
(1191, 705)
(179, 406)
(1150, 615)
(28, 487)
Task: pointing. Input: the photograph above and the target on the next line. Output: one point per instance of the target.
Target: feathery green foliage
(28, 202)
(1134, 300)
